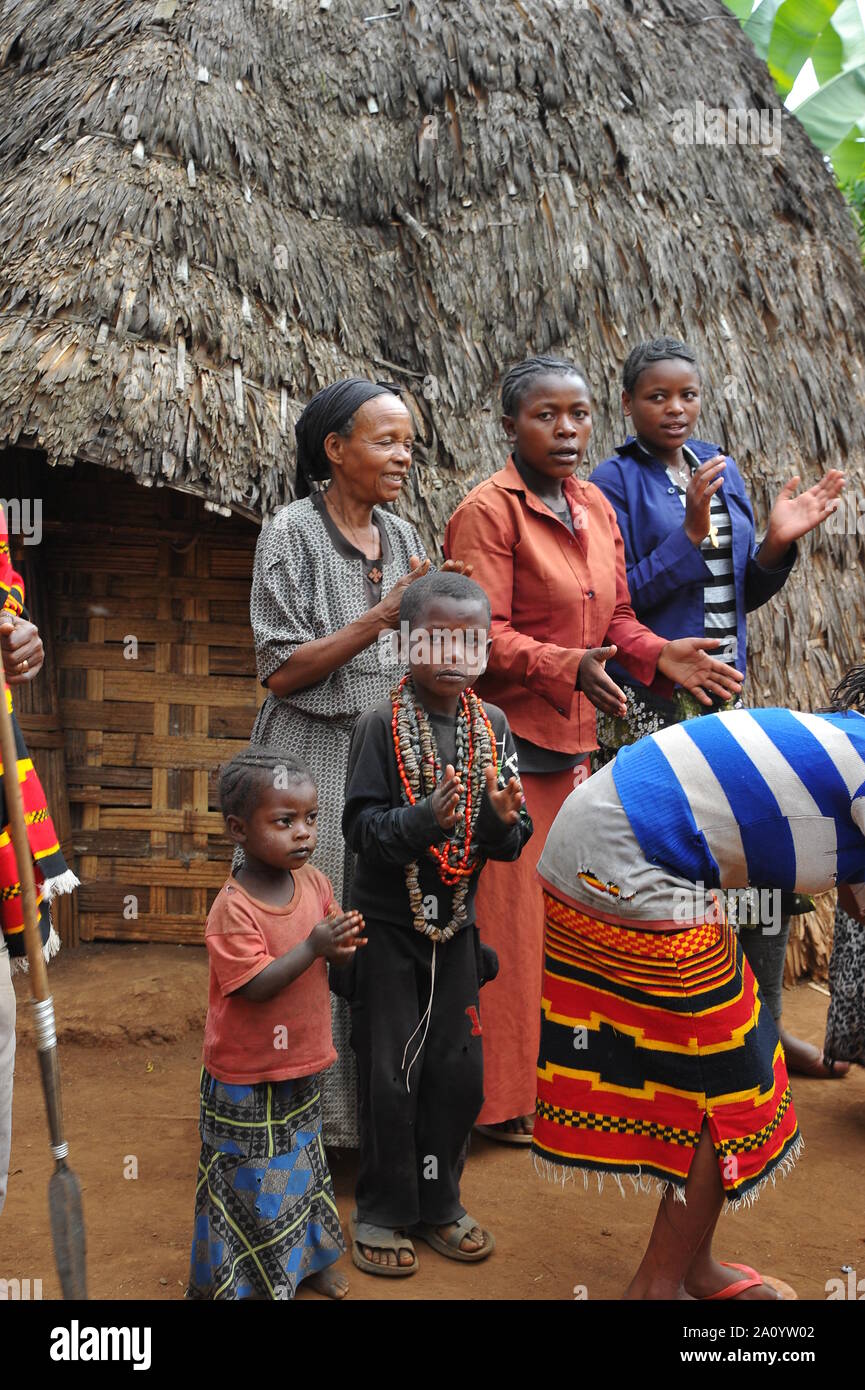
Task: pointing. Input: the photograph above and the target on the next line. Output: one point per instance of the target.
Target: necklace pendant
(374, 575)
(713, 536)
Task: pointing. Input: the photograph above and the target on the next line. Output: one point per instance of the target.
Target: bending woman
(659, 1061)
(547, 549)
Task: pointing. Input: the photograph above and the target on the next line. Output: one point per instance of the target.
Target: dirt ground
(130, 1021)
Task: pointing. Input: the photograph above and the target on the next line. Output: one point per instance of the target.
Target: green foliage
(855, 195)
(831, 34)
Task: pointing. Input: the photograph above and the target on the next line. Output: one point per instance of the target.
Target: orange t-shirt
(279, 1038)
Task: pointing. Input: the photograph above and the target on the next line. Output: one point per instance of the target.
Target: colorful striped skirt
(265, 1213)
(50, 870)
(644, 1036)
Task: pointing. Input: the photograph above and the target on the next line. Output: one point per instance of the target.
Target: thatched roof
(210, 208)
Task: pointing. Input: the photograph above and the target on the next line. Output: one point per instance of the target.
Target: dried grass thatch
(212, 207)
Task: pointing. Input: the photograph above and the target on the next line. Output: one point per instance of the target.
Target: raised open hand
(795, 515)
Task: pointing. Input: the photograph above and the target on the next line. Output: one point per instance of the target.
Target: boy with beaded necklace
(432, 793)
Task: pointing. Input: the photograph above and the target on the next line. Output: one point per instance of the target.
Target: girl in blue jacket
(695, 568)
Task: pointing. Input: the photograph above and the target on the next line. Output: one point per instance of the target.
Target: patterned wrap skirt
(50, 870)
(845, 1022)
(646, 1034)
(265, 1212)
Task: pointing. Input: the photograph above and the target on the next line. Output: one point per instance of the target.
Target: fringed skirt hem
(646, 1038)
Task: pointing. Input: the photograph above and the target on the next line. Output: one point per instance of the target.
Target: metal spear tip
(67, 1231)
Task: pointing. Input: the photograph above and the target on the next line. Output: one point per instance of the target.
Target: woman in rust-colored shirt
(546, 547)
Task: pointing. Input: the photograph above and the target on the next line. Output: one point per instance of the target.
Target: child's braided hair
(241, 780)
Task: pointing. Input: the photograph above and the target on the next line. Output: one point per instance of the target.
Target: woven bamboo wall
(154, 669)
(128, 748)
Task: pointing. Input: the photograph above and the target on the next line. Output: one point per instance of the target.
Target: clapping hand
(597, 686)
(705, 482)
(446, 797)
(337, 937)
(687, 663)
(506, 801)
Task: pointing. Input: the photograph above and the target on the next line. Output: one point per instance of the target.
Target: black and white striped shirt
(719, 594)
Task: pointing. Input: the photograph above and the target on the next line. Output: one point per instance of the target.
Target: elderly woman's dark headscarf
(327, 412)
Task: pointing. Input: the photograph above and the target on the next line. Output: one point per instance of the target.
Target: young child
(432, 792)
(265, 1214)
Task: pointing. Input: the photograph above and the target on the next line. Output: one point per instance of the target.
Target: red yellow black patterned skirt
(646, 1034)
(49, 867)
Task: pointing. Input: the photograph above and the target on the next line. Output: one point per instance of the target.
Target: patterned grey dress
(308, 582)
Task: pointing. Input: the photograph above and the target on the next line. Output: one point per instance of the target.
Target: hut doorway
(142, 598)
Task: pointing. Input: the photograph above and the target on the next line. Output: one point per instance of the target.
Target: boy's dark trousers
(412, 1141)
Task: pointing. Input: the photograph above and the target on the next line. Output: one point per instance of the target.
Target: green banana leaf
(830, 33)
(741, 8)
(835, 110)
(759, 26)
(848, 157)
(803, 30)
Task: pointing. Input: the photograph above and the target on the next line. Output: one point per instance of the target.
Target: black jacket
(386, 834)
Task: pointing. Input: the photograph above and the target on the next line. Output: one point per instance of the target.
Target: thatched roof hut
(211, 207)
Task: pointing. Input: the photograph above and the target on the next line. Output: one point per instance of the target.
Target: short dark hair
(241, 780)
(849, 693)
(517, 382)
(655, 350)
(441, 584)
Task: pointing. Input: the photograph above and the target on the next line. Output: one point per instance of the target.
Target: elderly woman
(23, 656)
(548, 552)
(330, 570)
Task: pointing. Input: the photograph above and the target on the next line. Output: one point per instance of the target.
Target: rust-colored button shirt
(553, 596)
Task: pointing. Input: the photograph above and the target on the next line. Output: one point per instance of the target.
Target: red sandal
(751, 1281)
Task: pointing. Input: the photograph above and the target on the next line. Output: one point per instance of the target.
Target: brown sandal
(500, 1135)
(450, 1246)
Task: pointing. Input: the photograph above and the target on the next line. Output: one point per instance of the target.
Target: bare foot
(331, 1282)
(651, 1290)
(804, 1059)
(388, 1257)
(711, 1277)
(470, 1243)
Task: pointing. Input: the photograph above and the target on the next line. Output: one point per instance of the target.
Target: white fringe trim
(51, 888)
(562, 1173)
(20, 965)
(784, 1168)
(61, 883)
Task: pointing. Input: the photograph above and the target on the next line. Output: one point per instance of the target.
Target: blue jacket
(666, 571)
